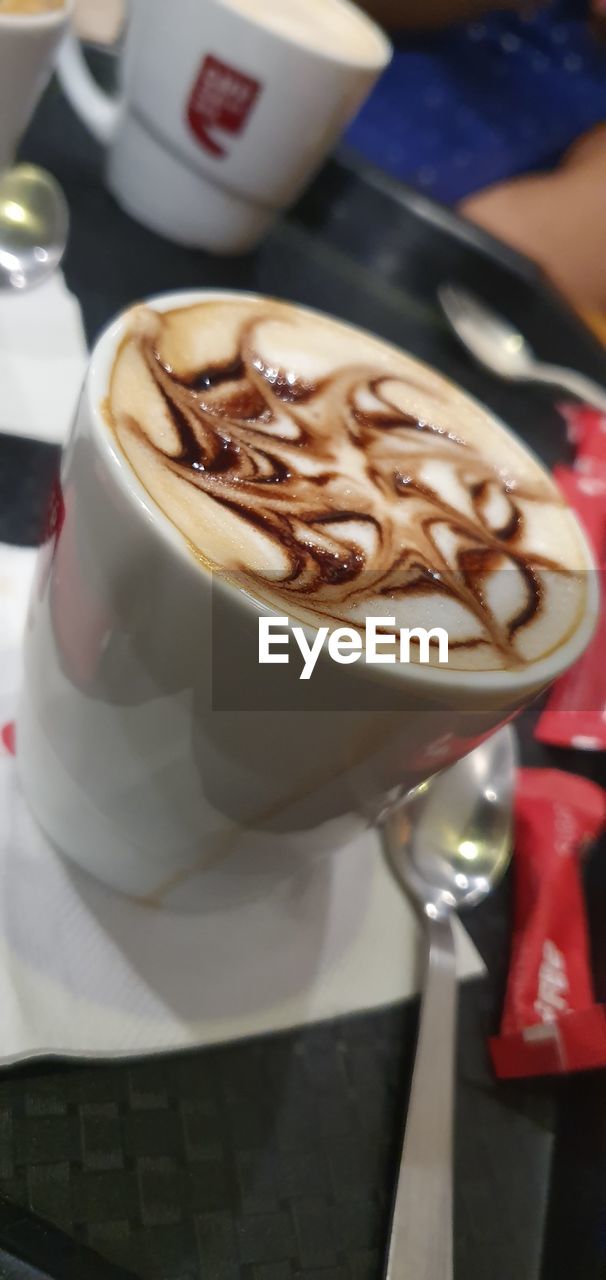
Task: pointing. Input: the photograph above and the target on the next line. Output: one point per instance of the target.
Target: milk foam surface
(336, 478)
(324, 25)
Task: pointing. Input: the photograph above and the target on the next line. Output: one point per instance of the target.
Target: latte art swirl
(343, 479)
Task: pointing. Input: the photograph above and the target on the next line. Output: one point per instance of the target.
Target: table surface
(276, 1158)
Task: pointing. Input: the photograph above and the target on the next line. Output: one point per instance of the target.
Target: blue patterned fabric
(482, 102)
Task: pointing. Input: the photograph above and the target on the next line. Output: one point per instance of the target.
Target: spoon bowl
(493, 341)
(34, 226)
(450, 842)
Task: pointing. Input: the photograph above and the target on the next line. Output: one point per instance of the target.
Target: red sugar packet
(581, 420)
(586, 494)
(586, 430)
(575, 714)
(551, 1022)
(591, 453)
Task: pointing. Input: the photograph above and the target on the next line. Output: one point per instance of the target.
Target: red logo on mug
(221, 100)
(8, 738)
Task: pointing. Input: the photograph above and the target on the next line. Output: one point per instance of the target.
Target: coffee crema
(334, 478)
(30, 6)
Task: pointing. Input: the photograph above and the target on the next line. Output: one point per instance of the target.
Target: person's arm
(419, 15)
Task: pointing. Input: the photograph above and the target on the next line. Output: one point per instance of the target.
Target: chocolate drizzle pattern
(350, 500)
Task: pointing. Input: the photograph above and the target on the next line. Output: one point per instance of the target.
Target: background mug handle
(98, 110)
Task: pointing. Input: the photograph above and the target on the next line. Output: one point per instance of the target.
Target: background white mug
(124, 757)
(28, 42)
(222, 117)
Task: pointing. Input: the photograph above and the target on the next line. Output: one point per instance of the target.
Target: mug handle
(98, 110)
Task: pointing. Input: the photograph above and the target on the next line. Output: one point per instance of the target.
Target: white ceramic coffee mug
(124, 757)
(28, 43)
(227, 108)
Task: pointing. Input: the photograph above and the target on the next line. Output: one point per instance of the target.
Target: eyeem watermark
(376, 645)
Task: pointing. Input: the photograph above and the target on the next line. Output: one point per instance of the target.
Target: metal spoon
(448, 844)
(34, 225)
(498, 346)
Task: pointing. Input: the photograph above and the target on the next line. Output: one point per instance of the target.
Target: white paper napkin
(85, 972)
(42, 360)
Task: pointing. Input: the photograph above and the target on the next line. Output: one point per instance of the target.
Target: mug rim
(46, 19)
(383, 43)
(434, 680)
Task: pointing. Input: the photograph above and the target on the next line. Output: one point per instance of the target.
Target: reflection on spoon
(34, 225)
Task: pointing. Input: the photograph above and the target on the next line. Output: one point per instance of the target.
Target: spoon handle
(421, 1238)
(569, 380)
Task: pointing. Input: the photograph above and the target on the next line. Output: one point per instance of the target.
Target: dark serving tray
(275, 1158)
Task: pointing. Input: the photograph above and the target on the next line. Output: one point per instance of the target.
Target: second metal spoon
(500, 347)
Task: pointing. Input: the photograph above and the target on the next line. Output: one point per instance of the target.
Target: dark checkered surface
(28, 476)
(269, 1159)
(275, 1159)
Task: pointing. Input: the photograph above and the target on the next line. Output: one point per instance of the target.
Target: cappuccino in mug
(239, 457)
(339, 478)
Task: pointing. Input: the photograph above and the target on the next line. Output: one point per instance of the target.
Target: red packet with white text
(591, 453)
(575, 714)
(581, 421)
(586, 430)
(586, 494)
(551, 1022)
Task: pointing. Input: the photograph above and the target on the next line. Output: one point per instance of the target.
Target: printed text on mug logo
(220, 103)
